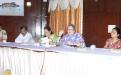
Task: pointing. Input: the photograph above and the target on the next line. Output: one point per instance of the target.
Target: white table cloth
(26, 60)
(83, 62)
(21, 61)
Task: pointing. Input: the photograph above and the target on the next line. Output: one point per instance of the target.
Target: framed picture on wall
(11, 7)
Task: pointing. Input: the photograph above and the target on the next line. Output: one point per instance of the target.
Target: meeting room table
(33, 59)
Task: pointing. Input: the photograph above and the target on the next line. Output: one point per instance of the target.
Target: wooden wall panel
(12, 23)
(97, 17)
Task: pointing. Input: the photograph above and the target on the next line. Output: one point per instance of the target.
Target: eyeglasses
(70, 29)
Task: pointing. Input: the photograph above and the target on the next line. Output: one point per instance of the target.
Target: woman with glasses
(72, 38)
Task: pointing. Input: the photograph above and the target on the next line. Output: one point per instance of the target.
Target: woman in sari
(53, 38)
(115, 41)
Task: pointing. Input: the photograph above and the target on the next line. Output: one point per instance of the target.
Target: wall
(12, 24)
(97, 16)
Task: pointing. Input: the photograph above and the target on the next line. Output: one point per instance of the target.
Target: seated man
(24, 36)
(3, 35)
(72, 38)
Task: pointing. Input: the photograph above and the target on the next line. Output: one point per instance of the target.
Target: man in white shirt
(3, 35)
(24, 36)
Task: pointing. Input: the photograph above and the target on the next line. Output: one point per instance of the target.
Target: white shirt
(3, 35)
(27, 38)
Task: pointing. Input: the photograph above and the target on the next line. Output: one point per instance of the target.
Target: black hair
(118, 32)
(23, 27)
(48, 28)
(73, 26)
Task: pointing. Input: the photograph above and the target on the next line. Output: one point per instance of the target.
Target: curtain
(66, 12)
